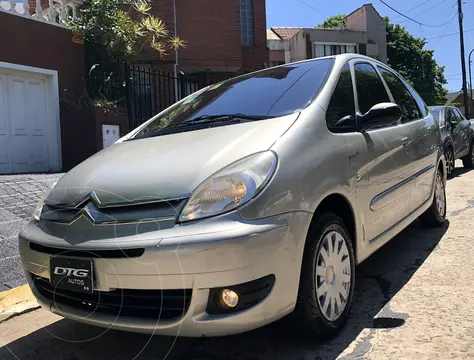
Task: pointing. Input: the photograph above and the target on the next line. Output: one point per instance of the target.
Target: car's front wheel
(436, 214)
(327, 278)
(468, 160)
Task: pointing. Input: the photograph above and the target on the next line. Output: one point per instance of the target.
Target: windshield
(262, 95)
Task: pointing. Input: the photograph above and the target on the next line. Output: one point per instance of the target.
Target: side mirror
(379, 115)
(464, 124)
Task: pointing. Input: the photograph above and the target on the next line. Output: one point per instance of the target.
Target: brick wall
(256, 57)
(211, 29)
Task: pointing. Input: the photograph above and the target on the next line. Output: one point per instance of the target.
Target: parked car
(249, 200)
(457, 135)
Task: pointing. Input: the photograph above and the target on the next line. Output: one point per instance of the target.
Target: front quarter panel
(312, 164)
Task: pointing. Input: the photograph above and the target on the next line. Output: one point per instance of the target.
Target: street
(413, 299)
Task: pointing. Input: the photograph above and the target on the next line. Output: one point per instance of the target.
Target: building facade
(457, 99)
(226, 37)
(364, 32)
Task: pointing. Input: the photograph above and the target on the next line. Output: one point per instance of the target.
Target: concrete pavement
(414, 300)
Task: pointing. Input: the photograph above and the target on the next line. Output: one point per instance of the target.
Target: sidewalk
(18, 197)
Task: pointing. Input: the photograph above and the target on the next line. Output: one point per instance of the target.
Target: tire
(468, 160)
(435, 216)
(449, 156)
(314, 315)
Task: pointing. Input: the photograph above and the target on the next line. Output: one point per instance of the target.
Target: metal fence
(145, 89)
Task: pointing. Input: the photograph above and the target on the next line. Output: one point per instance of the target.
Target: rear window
(272, 92)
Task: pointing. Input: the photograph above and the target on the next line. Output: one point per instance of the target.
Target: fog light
(229, 298)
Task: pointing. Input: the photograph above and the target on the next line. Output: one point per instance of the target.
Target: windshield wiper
(204, 120)
(209, 119)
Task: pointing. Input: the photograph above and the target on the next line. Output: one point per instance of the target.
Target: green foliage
(332, 22)
(84, 100)
(406, 55)
(112, 35)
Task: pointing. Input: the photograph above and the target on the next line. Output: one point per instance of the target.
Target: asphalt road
(18, 197)
(414, 300)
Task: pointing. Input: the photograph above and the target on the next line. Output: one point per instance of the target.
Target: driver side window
(370, 88)
(340, 116)
(453, 117)
(459, 114)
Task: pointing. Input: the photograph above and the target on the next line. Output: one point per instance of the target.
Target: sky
(308, 13)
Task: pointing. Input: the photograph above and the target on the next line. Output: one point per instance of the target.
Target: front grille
(151, 304)
(93, 254)
(129, 213)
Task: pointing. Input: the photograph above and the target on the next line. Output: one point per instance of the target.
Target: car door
(419, 126)
(385, 190)
(459, 133)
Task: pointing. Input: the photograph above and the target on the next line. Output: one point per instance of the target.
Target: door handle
(403, 140)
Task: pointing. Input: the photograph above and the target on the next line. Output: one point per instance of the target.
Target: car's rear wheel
(449, 156)
(468, 160)
(436, 214)
(327, 278)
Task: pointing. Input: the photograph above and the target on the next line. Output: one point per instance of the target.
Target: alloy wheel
(333, 275)
(440, 195)
(450, 162)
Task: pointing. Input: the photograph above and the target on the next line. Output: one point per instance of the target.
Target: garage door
(25, 123)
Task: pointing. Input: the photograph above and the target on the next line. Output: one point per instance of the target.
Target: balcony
(54, 12)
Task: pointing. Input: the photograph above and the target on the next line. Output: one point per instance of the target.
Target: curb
(16, 301)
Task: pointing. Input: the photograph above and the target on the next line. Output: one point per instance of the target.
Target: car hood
(164, 167)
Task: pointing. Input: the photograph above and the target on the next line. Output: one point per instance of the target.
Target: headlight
(230, 187)
(39, 206)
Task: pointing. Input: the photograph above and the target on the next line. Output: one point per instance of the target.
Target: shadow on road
(378, 280)
(458, 172)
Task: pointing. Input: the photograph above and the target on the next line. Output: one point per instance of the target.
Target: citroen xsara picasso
(246, 201)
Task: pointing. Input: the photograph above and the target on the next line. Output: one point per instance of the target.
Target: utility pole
(463, 61)
(471, 100)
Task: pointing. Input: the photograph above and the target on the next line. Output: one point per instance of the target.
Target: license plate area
(71, 274)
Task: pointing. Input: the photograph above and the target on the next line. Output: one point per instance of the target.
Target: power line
(450, 34)
(312, 7)
(444, 32)
(417, 6)
(435, 5)
(425, 11)
(415, 21)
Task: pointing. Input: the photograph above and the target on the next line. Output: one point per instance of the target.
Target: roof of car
(347, 57)
(439, 107)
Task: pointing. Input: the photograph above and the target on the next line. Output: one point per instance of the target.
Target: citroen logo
(92, 197)
(90, 212)
(89, 208)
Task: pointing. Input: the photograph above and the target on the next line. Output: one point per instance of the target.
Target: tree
(406, 55)
(112, 35)
(336, 21)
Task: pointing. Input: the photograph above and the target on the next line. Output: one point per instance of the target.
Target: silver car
(249, 200)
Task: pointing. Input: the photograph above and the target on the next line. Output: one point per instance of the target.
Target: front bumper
(219, 252)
